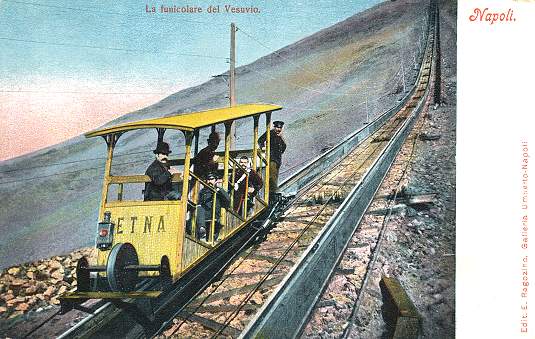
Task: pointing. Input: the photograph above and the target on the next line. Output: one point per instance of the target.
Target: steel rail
(390, 203)
(384, 131)
(304, 230)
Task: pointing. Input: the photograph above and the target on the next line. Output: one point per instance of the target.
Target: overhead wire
(82, 92)
(144, 160)
(362, 103)
(295, 84)
(111, 48)
(315, 74)
(132, 153)
(71, 162)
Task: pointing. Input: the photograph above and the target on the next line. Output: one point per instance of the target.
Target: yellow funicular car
(141, 239)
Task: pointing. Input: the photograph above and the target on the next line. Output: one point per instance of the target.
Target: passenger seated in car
(254, 184)
(160, 186)
(205, 205)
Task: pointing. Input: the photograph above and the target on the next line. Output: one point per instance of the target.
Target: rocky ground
(32, 289)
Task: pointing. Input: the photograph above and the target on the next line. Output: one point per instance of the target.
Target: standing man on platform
(278, 146)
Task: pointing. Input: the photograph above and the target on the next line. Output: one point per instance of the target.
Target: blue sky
(130, 51)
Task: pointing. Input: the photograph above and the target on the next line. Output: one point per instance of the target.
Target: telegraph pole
(232, 79)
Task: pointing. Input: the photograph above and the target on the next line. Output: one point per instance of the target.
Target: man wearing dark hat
(160, 186)
(206, 161)
(278, 146)
(205, 205)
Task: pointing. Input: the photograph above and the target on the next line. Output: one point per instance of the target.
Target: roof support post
(161, 132)
(228, 140)
(111, 141)
(184, 198)
(268, 155)
(187, 163)
(256, 119)
(196, 149)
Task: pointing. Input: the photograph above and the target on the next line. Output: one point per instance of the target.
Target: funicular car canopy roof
(191, 121)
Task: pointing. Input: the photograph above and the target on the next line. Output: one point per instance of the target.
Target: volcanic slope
(325, 82)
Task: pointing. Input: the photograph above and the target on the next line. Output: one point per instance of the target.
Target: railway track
(256, 293)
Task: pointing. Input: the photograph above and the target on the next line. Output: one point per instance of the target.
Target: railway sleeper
(236, 291)
(211, 324)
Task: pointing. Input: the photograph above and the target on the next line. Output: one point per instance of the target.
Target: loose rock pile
(37, 285)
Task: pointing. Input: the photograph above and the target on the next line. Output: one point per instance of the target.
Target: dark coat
(160, 184)
(255, 181)
(204, 162)
(277, 146)
(206, 200)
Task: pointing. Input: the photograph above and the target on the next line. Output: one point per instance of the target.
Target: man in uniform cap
(278, 146)
(160, 186)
